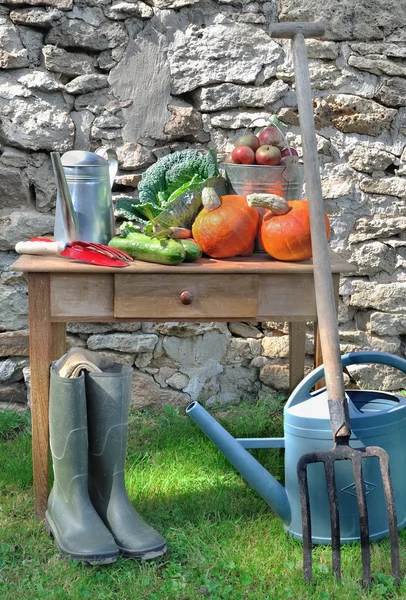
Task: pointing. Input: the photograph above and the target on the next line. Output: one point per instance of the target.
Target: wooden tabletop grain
(256, 263)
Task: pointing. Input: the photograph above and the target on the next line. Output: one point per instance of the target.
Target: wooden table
(255, 288)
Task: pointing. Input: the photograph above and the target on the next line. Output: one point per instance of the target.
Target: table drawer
(187, 296)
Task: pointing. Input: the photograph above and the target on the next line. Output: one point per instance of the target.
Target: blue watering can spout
(377, 418)
(253, 472)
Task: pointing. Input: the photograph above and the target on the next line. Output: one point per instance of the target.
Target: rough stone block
(186, 123)
(377, 227)
(222, 52)
(146, 392)
(35, 17)
(231, 95)
(392, 92)
(378, 377)
(367, 158)
(13, 393)
(14, 191)
(14, 343)
(32, 40)
(275, 376)
(245, 330)
(124, 10)
(372, 257)
(13, 307)
(13, 396)
(77, 33)
(391, 186)
(178, 381)
(351, 114)
(123, 342)
(61, 4)
(146, 56)
(345, 20)
(11, 369)
(13, 55)
(71, 64)
(87, 83)
(388, 324)
(134, 156)
(31, 119)
(86, 328)
(380, 297)
(22, 226)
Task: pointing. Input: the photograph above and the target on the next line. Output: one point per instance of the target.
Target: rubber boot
(108, 401)
(71, 518)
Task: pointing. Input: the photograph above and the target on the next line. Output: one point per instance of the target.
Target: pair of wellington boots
(89, 513)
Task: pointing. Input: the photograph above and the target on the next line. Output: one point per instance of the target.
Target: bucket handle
(302, 391)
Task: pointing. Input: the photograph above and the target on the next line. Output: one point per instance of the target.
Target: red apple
(243, 154)
(285, 152)
(250, 140)
(268, 155)
(289, 158)
(270, 136)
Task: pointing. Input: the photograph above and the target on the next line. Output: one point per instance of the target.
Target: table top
(256, 263)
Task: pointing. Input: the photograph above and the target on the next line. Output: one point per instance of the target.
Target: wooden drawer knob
(186, 297)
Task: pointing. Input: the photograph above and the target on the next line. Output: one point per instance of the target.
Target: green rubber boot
(108, 401)
(71, 519)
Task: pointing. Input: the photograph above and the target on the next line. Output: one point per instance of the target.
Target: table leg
(47, 342)
(297, 340)
(318, 356)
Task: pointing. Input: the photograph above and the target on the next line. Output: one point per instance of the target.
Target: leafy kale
(171, 176)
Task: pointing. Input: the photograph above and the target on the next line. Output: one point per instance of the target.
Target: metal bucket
(253, 179)
(285, 181)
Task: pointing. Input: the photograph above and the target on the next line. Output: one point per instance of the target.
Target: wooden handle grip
(289, 30)
(40, 248)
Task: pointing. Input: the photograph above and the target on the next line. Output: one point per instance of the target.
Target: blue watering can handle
(302, 391)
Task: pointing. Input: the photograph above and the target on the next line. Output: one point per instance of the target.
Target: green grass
(223, 541)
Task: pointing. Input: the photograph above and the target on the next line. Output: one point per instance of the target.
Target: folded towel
(77, 360)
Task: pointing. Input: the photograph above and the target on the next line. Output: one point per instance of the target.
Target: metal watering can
(84, 207)
(377, 418)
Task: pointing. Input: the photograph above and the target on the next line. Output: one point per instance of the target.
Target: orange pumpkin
(226, 226)
(287, 236)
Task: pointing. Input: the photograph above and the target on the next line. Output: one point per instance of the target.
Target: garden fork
(330, 344)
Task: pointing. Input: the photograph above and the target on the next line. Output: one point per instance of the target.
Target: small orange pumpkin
(286, 235)
(226, 226)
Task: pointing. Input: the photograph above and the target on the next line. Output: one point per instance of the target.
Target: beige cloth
(77, 360)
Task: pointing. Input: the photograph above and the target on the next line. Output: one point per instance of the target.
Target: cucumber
(143, 247)
(193, 250)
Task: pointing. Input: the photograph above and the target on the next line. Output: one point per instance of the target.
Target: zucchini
(156, 250)
(193, 250)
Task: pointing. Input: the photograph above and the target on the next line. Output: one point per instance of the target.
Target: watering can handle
(302, 391)
(110, 155)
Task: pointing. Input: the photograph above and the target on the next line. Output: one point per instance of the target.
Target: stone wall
(156, 76)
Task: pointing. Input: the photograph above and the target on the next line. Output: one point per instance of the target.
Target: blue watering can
(377, 419)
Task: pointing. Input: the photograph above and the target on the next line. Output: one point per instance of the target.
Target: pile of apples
(268, 147)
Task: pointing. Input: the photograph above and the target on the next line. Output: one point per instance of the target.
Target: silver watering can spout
(84, 206)
(70, 220)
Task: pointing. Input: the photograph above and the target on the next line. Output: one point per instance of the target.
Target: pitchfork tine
(391, 508)
(363, 518)
(306, 521)
(334, 516)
